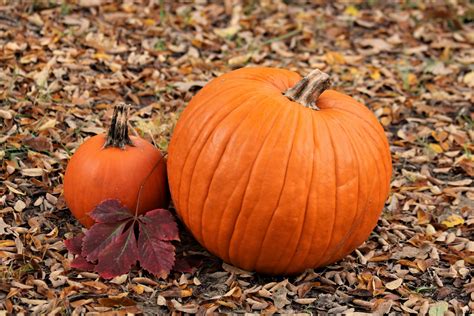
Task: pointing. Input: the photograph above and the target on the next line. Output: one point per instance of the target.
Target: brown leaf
(39, 143)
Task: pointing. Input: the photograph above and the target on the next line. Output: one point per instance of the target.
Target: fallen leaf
(116, 301)
(227, 32)
(469, 79)
(156, 254)
(3, 227)
(377, 45)
(239, 60)
(352, 11)
(32, 172)
(6, 115)
(333, 58)
(38, 143)
(395, 284)
(49, 124)
(90, 3)
(438, 68)
(438, 309)
(41, 78)
(74, 245)
(436, 148)
(460, 183)
(111, 246)
(453, 220)
(119, 255)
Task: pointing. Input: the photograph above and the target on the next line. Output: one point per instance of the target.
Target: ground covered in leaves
(63, 66)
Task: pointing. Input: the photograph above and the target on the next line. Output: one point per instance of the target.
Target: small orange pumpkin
(272, 174)
(115, 166)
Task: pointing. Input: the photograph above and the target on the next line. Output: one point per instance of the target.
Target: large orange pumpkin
(272, 174)
(115, 166)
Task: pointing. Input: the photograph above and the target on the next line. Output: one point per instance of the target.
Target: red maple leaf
(119, 239)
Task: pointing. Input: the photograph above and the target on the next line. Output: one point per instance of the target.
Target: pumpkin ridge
(252, 168)
(310, 186)
(333, 148)
(295, 129)
(357, 216)
(316, 143)
(280, 109)
(300, 227)
(372, 184)
(377, 143)
(193, 110)
(79, 195)
(199, 152)
(365, 204)
(274, 115)
(203, 208)
(186, 159)
(317, 206)
(362, 119)
(380, 140)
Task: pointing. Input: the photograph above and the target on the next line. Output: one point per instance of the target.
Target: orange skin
(95, 174)
(271, 186)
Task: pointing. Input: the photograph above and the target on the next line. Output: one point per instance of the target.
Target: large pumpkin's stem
(307, 91)
(118, 131)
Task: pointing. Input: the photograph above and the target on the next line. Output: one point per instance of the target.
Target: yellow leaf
(149, 22)
(228, 31)
(436, 148)
(186, 292)
(453, 220)
(139, 289)
(446, 54)
(411, 79)
(102, 56)
(7, 243)
(351, 10)
(334, 58)
(354, 71)
(47, 125)
(375, 74)
(469, 79)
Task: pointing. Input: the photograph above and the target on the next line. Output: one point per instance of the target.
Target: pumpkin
(115, 166)
(276, 174)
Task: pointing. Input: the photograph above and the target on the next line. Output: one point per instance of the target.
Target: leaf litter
(64, 64)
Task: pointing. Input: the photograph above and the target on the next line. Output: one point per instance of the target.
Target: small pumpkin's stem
(307, 91)
(118, 131)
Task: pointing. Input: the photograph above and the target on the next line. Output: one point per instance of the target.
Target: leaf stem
(142, 185)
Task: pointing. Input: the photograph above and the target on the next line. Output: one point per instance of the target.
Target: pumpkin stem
(307, 91)
(118, 131)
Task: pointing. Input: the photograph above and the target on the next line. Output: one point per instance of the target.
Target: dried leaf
(453, 220)
(469, 79)
(395, 284)
(39, 143)
(438, 309)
